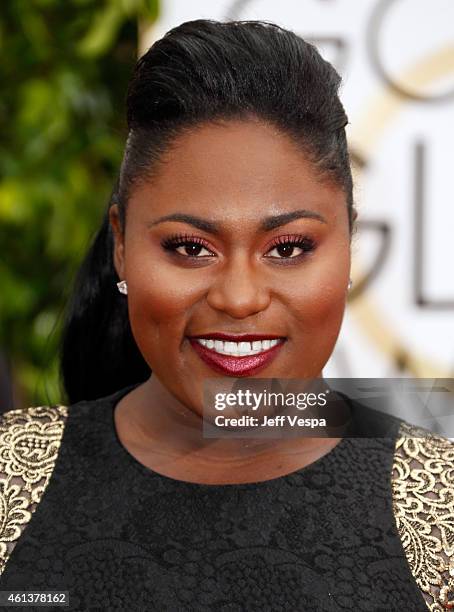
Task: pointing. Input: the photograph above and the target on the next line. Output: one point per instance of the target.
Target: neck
(165, 434)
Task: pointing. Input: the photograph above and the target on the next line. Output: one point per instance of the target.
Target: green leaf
(102, 33)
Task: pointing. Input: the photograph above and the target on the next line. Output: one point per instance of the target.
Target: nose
(239, 290)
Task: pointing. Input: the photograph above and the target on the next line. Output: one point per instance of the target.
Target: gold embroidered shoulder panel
(423, 504)
(30, 439)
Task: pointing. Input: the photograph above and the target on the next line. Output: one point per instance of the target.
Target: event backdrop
(397, 61)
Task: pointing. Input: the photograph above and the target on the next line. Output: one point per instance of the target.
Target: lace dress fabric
(29, 443)
(369, 526)
(423, 494)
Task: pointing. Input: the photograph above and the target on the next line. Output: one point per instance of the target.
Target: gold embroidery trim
(423, 505)
(30, 439)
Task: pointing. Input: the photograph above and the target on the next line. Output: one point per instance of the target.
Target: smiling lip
(236, 366)
(237, 337)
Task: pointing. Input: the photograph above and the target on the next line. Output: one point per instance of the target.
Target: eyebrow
(266, 224)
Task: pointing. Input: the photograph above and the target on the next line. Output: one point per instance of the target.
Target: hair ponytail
(98, 351)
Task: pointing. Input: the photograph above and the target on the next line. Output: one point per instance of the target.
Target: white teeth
(245, 348)
(238, 349)
(230, 347)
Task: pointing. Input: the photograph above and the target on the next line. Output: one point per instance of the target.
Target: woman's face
(264, 250)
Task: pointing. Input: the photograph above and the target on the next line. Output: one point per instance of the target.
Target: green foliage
(64, 68)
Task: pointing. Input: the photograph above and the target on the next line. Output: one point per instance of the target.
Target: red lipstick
(231, 365)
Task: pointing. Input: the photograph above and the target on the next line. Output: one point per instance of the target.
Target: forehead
(221, 169)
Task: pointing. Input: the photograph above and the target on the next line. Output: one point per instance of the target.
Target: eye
(192, 247)
(187, 246)
(285, 247)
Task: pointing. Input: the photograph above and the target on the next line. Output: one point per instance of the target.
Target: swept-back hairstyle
(200, 71)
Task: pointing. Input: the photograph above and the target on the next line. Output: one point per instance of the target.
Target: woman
(225, 252)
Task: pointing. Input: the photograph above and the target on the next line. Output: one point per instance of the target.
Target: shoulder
(423, 504)
(32, 432)
(33, 414)
(30, 440)
(423, 463)
(418, 442)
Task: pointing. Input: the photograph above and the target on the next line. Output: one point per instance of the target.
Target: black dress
(336, 535)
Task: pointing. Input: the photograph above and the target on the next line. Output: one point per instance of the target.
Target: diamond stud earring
(350, 283)
(123, 287)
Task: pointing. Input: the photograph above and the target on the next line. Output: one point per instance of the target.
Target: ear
(119, 246)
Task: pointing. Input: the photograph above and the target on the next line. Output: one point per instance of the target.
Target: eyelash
(177, 240)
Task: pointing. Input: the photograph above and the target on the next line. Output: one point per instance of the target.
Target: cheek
(328, 298)
(159, 303)
(319, 300)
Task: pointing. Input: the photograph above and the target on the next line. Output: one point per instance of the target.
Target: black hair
(200, 71)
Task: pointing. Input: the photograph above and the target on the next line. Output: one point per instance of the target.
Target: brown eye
(192, 249)
(187, 246)
(285, 250)
(287, 245)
